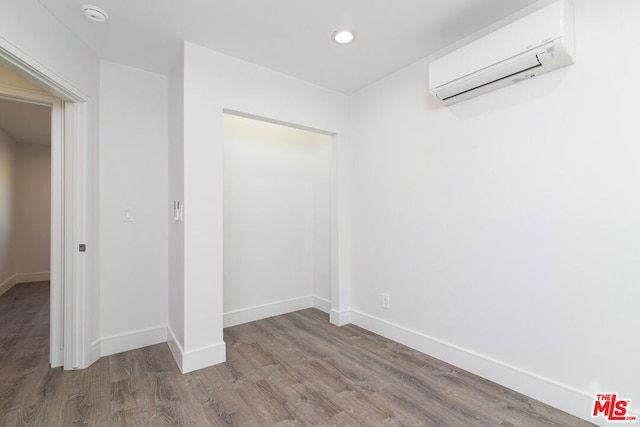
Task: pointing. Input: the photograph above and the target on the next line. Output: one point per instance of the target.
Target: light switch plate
(127, 215)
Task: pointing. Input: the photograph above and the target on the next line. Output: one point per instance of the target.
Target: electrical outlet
(385, 301)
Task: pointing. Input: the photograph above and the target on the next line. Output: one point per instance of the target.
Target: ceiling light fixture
(95, 13)
(343, 36)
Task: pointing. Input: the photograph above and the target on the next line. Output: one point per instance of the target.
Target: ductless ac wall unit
(535, 44)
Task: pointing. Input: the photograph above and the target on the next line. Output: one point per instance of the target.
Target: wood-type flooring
(290, 370)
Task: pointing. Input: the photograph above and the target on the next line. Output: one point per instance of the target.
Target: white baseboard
(252, 314)
(7, 284)
(195, 359)
(132, 340)
(23, 278)
(558, 395)
(340, 318)
(33, 277)
(175, 347)
(93, 353)
(204, 357)
(321, 304)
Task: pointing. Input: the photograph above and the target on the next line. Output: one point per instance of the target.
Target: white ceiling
(290, 36)
(25, 122)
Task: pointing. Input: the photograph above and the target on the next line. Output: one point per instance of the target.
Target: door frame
(70, 329)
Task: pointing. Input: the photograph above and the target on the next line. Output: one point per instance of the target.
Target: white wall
(134, 178)
(33, 209)
(213, 82)
(273, 204)
(23, 23)
(175, 265)
(7, 211)
(505, 229)
(321, 220)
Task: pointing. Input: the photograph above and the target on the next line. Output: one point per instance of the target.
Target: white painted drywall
(321, 217)
(176, 194)
(505, 228)
(213, 82)
(33, 209)
(23, 24)
(277, 224)
(133, 177)
(7, 210)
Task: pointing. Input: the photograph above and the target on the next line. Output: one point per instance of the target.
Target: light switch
(178, 211)
(128, 215)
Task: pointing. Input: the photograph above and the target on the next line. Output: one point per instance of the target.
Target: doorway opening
(29, 82)
(277, 219)
(26, 128)
(30, 118)
(25, 205)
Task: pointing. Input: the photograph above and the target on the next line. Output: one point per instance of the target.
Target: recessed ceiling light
(343, 36)
(95, 13)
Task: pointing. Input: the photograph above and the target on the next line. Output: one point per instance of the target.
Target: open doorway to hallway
(27, 224)
(25, 209)
(25, 137)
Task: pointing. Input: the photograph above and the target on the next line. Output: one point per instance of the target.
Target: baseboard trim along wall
(251, 314)
(7, 284)
(33, 277)
(23, 278)
(196, 359)
(322, 304)
(210, 355)
(340, 318)
(132, 340)
(94, 352)
(204, 357)
(175, 347)
(558, 395)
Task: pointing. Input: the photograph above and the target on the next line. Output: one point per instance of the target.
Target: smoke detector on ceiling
(95, 13)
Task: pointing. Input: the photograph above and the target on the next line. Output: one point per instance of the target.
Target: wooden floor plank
(290, 370)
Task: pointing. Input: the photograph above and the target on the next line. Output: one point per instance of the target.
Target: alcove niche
(277, 219)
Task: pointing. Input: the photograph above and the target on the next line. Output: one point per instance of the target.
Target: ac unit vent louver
(531, 46)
